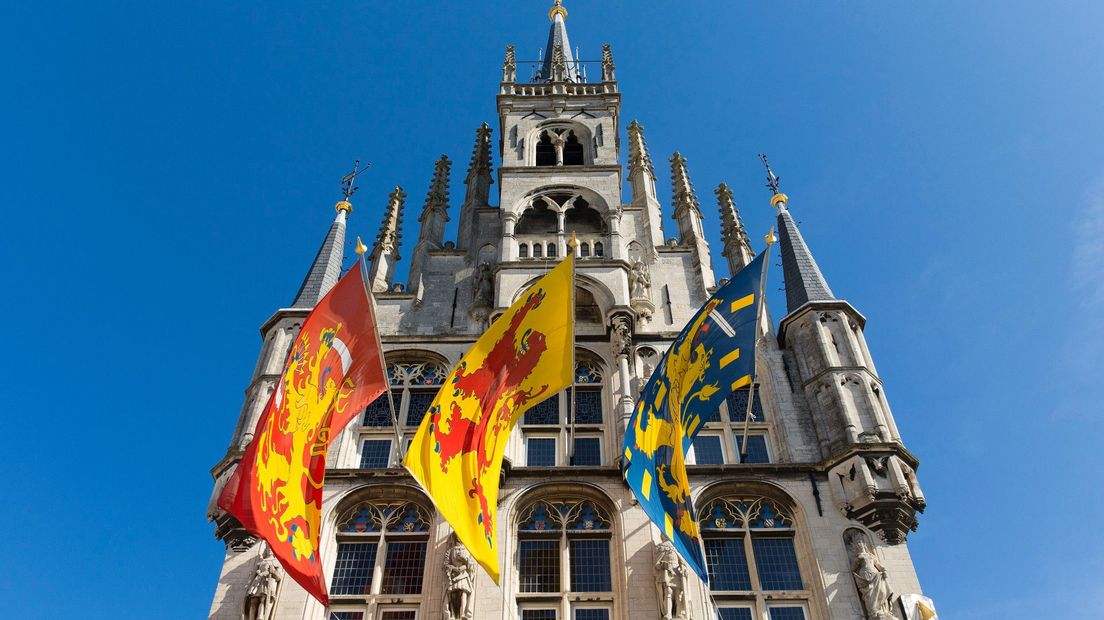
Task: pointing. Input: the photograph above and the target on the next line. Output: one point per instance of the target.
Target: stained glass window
(419, 403)
(737, 406)
(777, 563)
(707, 450)
(588, 451)
(375, 454)
(588, 406)
(379, 412)
(727, 564)
(403, 568)
(544, 412)
(539, 565)
(353, 568)
(590, 565)
(541, 452)
(757, 448)
(787, 613)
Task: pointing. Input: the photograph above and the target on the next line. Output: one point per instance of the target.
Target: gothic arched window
(538, 250)
(752, 560)
(381, 557)
(573, 151)
(564, 549)
(414, 384)
(547, 426)
(523, 250)
(546, 151)
(552, 250)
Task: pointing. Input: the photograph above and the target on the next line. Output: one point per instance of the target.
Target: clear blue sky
(167, 171)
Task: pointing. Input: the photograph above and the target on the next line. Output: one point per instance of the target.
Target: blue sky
(168, 171)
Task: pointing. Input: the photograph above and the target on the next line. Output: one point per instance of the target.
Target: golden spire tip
(770, 238)
(574, 243)
(360, 247)
(558, 8)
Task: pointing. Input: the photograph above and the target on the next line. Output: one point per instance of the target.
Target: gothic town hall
(812, 525)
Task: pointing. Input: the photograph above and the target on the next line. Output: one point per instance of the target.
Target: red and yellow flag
(333, 372)
(523, 358)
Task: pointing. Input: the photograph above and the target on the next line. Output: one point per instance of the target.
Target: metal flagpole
(571, 245)
(758, 319)
(360, 250)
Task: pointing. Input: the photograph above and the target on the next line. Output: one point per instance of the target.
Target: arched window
(523, 250)
(564, 549)
(413, 387)
(552, 250)
(721, 439)
(538, 220)
(546, 151)
(599, 250)
(750, 553)
(538, 250)
(547, 426)
(584, 250)
(586, 306)
(573, 151)
(381, 558)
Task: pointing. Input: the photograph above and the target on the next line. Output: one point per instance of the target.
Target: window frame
(402, 374)
(730, 426)
(595, 375)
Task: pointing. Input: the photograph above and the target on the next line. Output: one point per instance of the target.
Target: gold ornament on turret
(557, 9)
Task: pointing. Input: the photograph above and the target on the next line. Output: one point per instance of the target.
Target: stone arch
(559, 142)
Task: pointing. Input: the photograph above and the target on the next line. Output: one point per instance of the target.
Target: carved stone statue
(460, 574)
(871, 579)
(671, 579)
(639, 281)
(482, 285)
(621, 337)
(260, 599)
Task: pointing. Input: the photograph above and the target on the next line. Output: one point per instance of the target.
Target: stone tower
(811, 525)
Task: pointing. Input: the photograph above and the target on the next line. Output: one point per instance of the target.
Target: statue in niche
(460, 574)
(871, 578)
(639, 282)
(671, 581)
(482, 285)
(260, 599)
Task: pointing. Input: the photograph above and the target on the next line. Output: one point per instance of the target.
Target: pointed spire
(385, 252)
(607, 64)
(509, 65)
(736, 247)
(642, 181)
(638, 150)
(479, 177)
(562, 59)
(326, 268)
(435, 209)
(803, 278)
(682, 190)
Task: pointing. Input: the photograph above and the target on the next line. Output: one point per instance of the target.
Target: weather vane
(347, 181)
(772, 179)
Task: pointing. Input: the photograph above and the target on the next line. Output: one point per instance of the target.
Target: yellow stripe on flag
(668, 527)
(731, 357)
(743, 381)
(742, 303)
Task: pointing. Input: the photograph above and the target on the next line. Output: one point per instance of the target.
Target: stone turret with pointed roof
(326, 267)
(433, 219)
(688, 216)
(385, 252)
(642, 180)
(478, 182)
(736, 249)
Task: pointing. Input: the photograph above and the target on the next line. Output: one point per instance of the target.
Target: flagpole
(571, 245)
(360, 250)
(758, 318)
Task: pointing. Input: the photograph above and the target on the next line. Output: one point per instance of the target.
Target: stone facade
(827, 460)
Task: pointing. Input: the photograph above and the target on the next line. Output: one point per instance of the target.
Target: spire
(736, 248)
(804, 281)
(509, 65)
(478, 194)
(435, 210)
(642, 181)
(326, 268)
(688, 215)
(607, 64)
(682, 190)
(638, 150)
(559, 64)
(385, 252)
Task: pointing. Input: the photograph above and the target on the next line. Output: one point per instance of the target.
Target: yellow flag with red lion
(524, 357)
(333, 372)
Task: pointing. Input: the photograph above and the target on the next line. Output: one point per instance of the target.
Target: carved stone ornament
(483, 286)
(871, 578)
(460, 578)
(260, 599)
(879, 491)
(621, 335)
(639, 280)
(671, 582)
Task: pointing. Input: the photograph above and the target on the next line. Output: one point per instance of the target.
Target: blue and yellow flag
(714, 355)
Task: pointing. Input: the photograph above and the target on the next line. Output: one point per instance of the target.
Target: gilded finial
(773, 184)
(557, 9)
(360, 247)
(770, 238)
(573, 243)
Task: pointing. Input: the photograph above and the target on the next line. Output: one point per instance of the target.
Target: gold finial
(557, 9)
(574, 243)
(344, 205)
(770, 238)
(360, 247)
(779, 197)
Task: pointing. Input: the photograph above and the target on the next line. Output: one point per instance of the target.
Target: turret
(736, 249)
(433, 219)
(643, 182)
(385, 252)
(873, 476)
(688, 216)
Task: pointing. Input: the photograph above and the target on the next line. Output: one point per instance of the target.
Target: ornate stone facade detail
(879, 491)
(671, 576)
(871, 578)
(460, 583)
(260, 598)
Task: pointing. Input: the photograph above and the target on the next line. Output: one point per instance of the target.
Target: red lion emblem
(498, 379)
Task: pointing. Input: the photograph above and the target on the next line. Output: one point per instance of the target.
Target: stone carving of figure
(260, 599)
(460, 574)
(871, 579)
(482, 286)
(671, 578)
(639, 281)
(622, 337)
